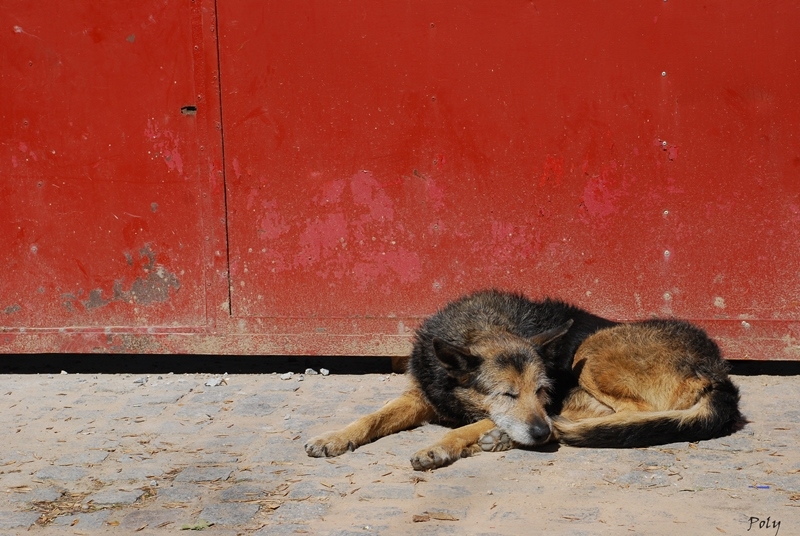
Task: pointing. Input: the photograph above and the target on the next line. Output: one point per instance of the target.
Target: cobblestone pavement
(131, 454)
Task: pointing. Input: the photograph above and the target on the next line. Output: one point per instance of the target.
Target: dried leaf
(201, 524)
(442, 516)
(421, 519)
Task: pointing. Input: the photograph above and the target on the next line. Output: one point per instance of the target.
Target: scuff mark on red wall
(155, 286)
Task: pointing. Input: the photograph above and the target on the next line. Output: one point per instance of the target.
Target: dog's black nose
(539, 432)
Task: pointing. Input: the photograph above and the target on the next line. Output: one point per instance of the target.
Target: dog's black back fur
(461, 320)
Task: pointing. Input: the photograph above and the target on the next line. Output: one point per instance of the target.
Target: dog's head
(504, 377)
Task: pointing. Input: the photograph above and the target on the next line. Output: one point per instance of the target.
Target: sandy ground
(131, 454)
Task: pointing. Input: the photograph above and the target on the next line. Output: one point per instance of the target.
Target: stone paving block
(294, 512)
(217, 458)
(180, 493)
(505, 516)
(228, 442)
(242, 492)
(216, 396)
(151, 518)
(173, 427)
(734, 443)
(644, 479)
(282, 529)
(371, 514)
(83, 521)
(447, 492)
(198, 410)
(435, 528)
(80, 415)
(86, 457)
(585, 515)
(358, 531)
(157, 397)
(17, 520)
(113, 387)
(229, 513)
(302, 490)
(114, 497)
(386, 491)
(284, 386)
(94, 399)
(259, 405)
(142, 472)
(38, 494)
(204, 474)
(61, 473)
(139, 411)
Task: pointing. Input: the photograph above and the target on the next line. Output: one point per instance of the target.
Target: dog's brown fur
(500, 369)
(641, 384)
(647, 383)
(489, 359)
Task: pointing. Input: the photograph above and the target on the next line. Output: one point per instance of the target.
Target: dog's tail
(716, 414)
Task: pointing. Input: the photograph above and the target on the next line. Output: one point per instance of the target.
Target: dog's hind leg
(406, 411)
(459, 443)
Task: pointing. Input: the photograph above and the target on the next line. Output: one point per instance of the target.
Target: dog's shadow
(549, 448)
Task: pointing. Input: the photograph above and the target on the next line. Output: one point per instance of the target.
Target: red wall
(352, 166)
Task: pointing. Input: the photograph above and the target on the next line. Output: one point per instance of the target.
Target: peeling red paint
(367, 192)
(603, 192)
(156, 285)
(272, 225)
(552, 171)
(165, 146)
(672, 152)
(321, 238)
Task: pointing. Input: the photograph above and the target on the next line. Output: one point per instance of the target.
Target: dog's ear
(455, 359)
(546, 337)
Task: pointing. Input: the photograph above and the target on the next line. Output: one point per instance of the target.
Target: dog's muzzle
(539, 432)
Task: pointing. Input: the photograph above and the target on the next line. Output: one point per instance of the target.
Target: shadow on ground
(186, 364)
(218, 364)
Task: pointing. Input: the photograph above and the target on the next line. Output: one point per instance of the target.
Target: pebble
(287, 376)
(215, 382)
(324, 371)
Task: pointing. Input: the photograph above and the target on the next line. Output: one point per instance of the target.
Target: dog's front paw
(439, 456)
(328, 445)
(495, 440)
